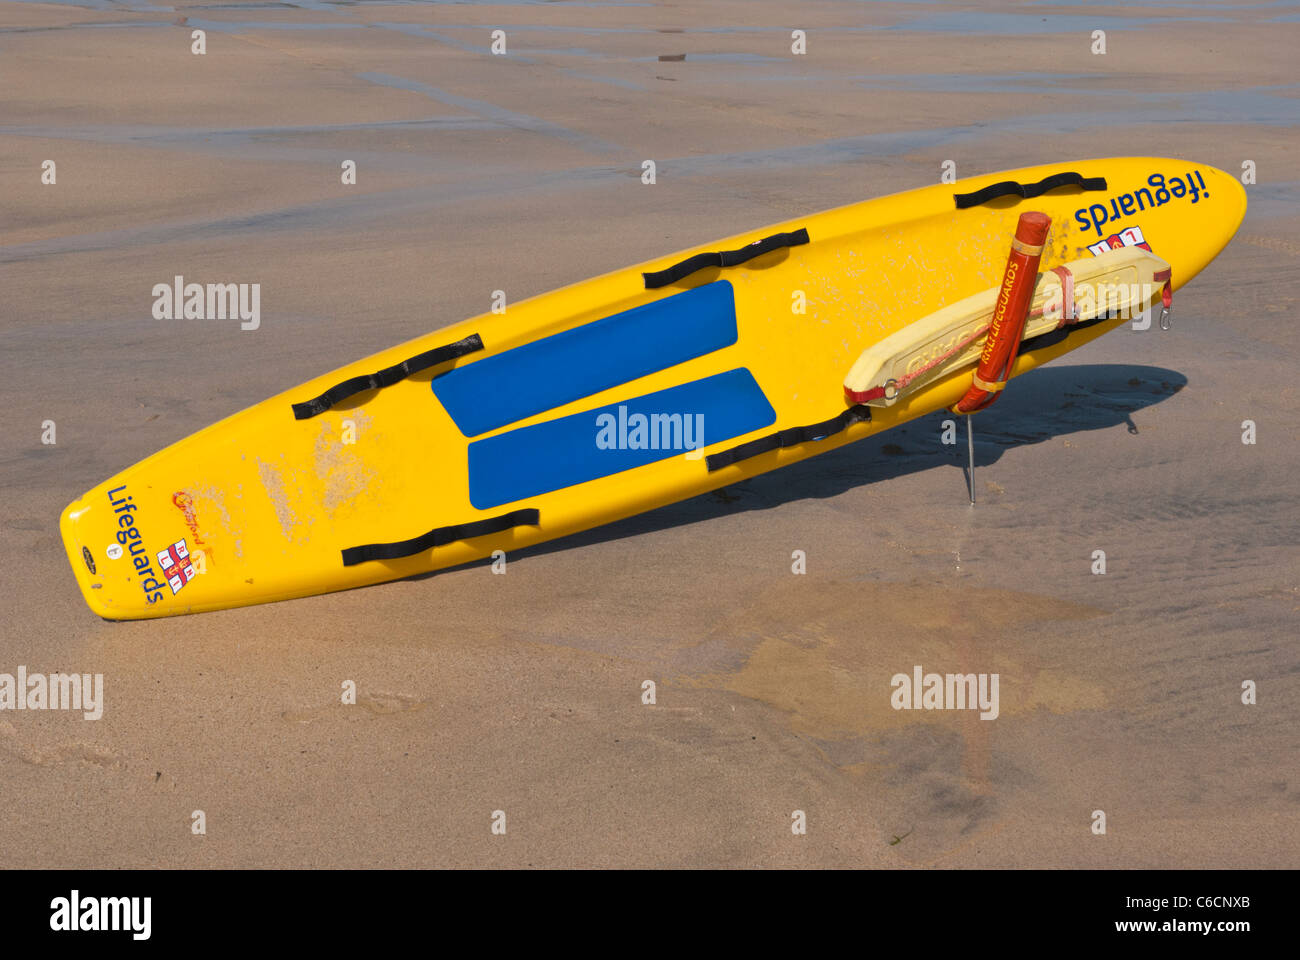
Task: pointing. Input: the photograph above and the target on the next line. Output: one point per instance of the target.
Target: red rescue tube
(1008, 323)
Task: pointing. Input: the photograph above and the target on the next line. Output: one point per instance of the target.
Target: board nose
(1230, 190)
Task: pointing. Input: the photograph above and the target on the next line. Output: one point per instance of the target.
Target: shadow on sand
(1043, 404)
(1040, 405)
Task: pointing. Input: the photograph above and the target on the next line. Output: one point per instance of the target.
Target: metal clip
(1166, 318)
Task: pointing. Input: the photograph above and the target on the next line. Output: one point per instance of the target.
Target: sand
(523, 693)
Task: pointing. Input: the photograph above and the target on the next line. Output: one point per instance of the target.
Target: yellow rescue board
(526, 423)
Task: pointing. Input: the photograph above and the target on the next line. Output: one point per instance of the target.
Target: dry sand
(522, 692)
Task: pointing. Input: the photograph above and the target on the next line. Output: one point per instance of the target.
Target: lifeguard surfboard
(635, 389)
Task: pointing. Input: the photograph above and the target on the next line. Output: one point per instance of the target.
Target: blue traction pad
(559, 369)
(564, 453)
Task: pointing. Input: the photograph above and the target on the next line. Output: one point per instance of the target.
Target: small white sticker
(114, 551)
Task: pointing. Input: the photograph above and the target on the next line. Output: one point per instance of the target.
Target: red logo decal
(176, 566)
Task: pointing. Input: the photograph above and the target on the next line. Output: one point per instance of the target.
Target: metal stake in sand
(998, 358)
(970, 451)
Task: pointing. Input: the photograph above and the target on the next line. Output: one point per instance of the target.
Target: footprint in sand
(71, 750)
(368, 705)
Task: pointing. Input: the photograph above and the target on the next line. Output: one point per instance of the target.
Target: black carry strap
(858, 413)
(1027, 190)
(440, 536)
(386, 377)
(724, 258)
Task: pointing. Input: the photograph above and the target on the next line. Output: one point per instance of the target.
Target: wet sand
(522, 692)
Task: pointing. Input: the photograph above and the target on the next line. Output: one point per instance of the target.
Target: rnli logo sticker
(1128, 237)
(176, 566)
